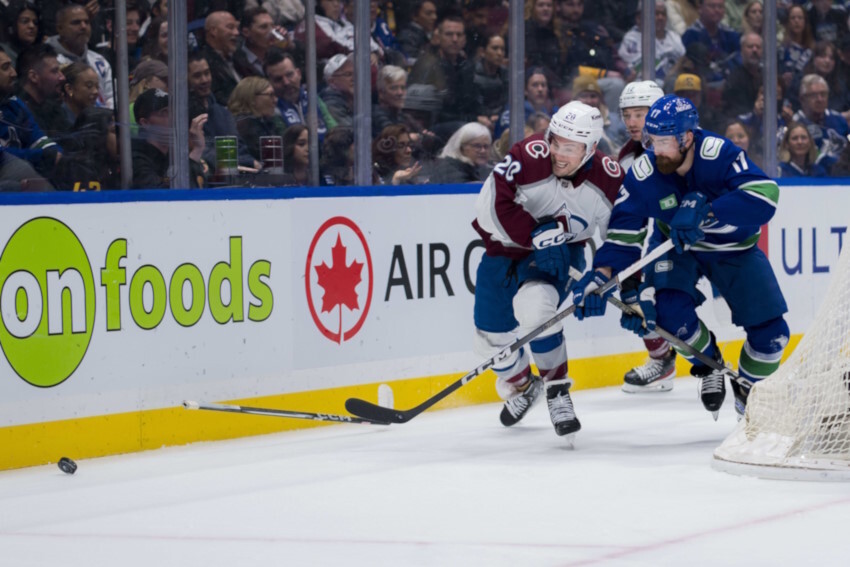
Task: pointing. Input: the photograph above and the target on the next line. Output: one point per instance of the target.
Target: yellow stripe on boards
(98, 436)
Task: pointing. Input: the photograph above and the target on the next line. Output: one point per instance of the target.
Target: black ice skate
(741, 393)
(518, 405)
(561, 407)
(655, 375)
(712, 389)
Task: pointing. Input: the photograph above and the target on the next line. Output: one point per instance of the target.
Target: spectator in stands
(586, 89)
(742, 85)
(136, 14)
(256, 29)
(796, 47)
(220, 121)
(694, 62)
(296, 153)
(536, 98)
(544, 45)
(149, 74)
(476, 16)
(91, 156)
(74, 31)
(740, 135)
(754, 120)
(442, 68)
(841, 168)
(334, 34)
(588, 44)
(465, 158)
(222, 39)
(392, 92)
(22, 23)
(754, 17)
(828, 20)
(485, 82)
(734, 14)
(22, 144)
(40, 82)
(415, 37)
(537, 123)
(616, 16)
(393, 155)
(156, 45)
(668, 44)
(336, 166)
(722, 41)
(502, 146)
(285, 76)
(150, 149)
(828, 128)
(338, 95)
(798, 156)
(80, 90)
(681, 14)
(390, 51)
(823, 63)
(283, 12)
(253, 104)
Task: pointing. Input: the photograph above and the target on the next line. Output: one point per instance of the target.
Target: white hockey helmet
(640, 93)
(577, 122)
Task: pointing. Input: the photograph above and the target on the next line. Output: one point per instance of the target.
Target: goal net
(797, 424)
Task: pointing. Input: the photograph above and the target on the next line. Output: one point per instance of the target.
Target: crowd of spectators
(439, 84)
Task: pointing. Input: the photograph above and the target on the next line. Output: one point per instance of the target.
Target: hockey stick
(682, 345)
(368, 410)
(190, 405)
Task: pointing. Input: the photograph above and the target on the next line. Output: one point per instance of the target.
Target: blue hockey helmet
(670, 115)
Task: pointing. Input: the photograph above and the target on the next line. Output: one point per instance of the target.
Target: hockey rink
(449, 488)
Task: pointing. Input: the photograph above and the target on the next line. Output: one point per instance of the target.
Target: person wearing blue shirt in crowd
(536, 99)
(722, 41)
(828, 127)
(20, 134)
(285, 77)
(707, 196)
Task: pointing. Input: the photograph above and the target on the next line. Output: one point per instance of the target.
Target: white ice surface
(448, 488)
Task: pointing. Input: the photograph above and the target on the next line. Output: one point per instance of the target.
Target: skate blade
(569, 440)
(715, 414)
(664, 386)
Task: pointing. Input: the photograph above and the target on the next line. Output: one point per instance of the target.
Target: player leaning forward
(709, 198)
(535, 211)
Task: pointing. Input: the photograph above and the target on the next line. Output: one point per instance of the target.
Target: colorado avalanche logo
(612, 168)
(537, 149)
(575, 226)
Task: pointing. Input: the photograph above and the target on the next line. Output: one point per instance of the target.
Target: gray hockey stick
(368, 410)
(191, 405)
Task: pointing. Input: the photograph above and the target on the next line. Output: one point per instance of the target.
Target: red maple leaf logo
(339, 281)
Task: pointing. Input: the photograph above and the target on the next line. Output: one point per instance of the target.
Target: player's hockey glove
(684, 228)
(551, 251)
(589, 304)
(644, 297)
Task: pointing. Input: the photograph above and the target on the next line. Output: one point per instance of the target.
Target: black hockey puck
(67, 466)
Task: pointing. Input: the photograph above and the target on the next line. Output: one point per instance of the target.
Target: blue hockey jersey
(742, 197)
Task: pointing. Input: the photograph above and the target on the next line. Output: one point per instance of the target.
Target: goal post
(797, 423)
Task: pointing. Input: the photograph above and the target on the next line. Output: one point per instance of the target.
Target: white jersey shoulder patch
(710, 148)
(537, 149)
(611, 167)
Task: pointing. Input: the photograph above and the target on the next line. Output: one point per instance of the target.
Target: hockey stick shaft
(369, 410)
(682, 345)
(192, 405)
